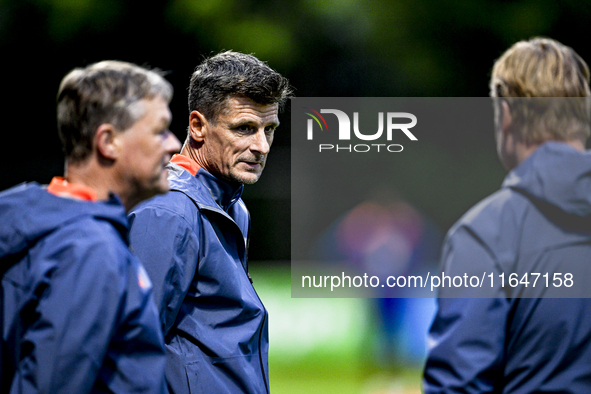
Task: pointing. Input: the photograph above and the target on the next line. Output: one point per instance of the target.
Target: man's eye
(163, 133)
(244, 128)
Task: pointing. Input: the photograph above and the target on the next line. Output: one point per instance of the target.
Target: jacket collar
(224, 193)
(204, 188)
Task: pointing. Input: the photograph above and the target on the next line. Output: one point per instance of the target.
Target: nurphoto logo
(344, 130)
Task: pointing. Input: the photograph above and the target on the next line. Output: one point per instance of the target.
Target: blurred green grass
(324, 345)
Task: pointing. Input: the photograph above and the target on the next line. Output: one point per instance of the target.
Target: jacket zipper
(245, 268)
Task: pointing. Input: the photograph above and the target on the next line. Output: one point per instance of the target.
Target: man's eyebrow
(166, 121)
(241, 122)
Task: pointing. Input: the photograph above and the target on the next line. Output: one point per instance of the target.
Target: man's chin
(247, 178)
(163, 186)
(160, 186)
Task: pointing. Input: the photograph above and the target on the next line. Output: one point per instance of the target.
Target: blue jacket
(193, 242)
(78, 313)
(540, 221)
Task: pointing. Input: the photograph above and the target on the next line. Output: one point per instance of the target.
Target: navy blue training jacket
(78, 313)
(539, 221)
(193, 242)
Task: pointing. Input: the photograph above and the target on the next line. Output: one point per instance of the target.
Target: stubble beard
(239, 178)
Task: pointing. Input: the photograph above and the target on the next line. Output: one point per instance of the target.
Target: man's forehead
(159, 109)
(151, 109)
(244, 106)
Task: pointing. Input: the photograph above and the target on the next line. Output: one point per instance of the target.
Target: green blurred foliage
(233, 27)
(67, 18)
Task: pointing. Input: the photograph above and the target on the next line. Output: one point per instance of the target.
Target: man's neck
(224, 193)
(194, 151)
(91, 174)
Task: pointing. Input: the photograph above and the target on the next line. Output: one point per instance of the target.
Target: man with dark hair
(194, 239)
(78, 312)
(539, 222)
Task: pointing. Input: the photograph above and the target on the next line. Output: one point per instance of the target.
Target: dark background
(332, 48)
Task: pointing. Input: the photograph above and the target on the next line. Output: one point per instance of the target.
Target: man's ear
(106, 141)
(507, 117)
(198, 126)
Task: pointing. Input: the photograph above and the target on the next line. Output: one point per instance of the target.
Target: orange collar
(60, 187)
(186, 162)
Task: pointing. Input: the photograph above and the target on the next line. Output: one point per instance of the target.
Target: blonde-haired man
(538, 221)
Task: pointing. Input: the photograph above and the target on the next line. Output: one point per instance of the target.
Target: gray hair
(103, 92)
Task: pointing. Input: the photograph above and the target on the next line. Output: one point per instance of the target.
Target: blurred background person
(385, 236)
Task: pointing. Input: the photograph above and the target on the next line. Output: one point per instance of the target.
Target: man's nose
(260, 142)
(171, 143)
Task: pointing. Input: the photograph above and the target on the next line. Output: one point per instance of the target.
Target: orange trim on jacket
(186, 162)
(61, 187)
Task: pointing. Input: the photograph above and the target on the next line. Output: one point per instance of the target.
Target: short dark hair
(234, 74)
(103, 92)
